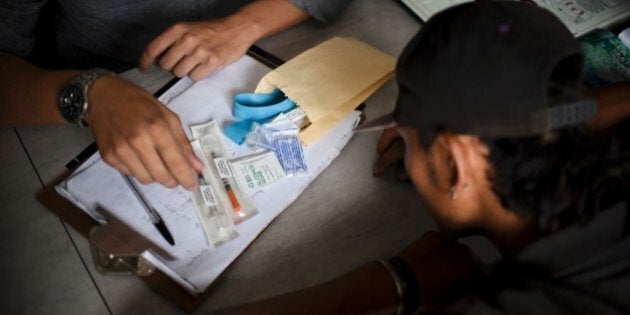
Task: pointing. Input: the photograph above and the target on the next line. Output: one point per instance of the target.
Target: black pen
(154, 216)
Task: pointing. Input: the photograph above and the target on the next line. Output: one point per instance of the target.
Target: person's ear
(456, 158)
(462, 156)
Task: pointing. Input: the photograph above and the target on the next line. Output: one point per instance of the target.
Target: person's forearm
(368, 289)
(443, 269)
(613, 104)
(267, 17)
(29, 95)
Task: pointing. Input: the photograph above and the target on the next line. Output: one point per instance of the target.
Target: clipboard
(189, 288)
(110, 253)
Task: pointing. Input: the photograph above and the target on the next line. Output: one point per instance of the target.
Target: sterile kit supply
(215, 218)
(296, 116)
(282, 138)
(257, 171)
(217, 174)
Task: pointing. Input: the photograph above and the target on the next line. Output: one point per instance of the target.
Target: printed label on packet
(295, 116)
(201, 130)
(289, 151)
(207, 195)
(258, 170)
(223, 167)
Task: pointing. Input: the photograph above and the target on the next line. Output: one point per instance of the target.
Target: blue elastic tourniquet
(238, 130)
(255, 107)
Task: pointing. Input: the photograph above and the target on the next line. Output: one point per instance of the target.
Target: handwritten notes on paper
(102, 186)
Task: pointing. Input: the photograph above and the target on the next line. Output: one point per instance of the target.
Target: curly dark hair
(564, 177)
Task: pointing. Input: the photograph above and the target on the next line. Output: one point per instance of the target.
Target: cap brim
(379, 123)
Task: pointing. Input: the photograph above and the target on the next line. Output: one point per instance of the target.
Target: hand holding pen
(154, 216)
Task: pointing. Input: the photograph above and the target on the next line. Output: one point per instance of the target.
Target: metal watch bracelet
(74, 107)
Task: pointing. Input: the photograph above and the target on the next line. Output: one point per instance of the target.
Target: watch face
(71, 102)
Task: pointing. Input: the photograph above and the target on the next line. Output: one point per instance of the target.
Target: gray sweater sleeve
(17, 22)
(323, 10)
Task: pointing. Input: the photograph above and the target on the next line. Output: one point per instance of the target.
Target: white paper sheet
(197, 265)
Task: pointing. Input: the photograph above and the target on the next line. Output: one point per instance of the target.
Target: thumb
(181, 138)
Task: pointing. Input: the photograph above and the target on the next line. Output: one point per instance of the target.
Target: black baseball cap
(488, 68)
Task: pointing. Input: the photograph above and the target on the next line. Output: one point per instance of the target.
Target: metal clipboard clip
(117, 249)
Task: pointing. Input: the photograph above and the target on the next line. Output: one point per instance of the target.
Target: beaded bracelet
(406, 284)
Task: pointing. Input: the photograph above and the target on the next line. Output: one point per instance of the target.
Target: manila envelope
(329, 81)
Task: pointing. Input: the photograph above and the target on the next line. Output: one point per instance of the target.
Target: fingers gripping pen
(154, 216)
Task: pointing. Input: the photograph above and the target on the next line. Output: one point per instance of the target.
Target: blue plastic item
(255, 107)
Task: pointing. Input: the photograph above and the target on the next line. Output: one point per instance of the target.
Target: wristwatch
(73, 101)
